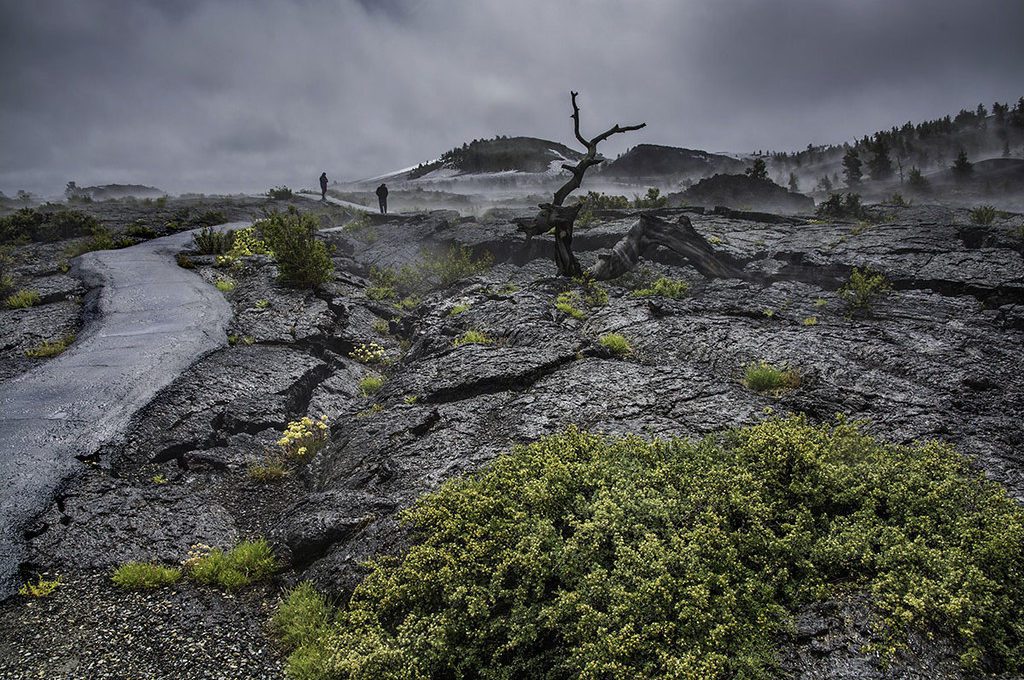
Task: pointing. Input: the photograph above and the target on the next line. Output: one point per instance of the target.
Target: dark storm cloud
(225, 95)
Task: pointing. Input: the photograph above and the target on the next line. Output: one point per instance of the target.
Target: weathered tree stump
(680, 237)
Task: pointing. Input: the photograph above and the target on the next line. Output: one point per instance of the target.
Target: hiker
(323, 186)
(382, 197)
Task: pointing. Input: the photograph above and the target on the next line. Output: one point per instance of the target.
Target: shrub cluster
(210, 241)
(281, 193)
(983, 214)
(432, 270)
(585, 556)
(841, 205)
(29, 224)
(303, 260)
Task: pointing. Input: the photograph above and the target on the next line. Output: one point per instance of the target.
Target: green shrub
(184, 261)
(665, 287)
(50, 349)
(761, 376)
(984, 214)
(616, 344)
(247, 242)
(472, 337)
(302, 260)
(863, 289)
(584, 556)
(370, 385)
(210, 241)
(6, 262)
(224, 285)
(246, 563)
(281, 193)
(144, 575)
(460, 308)
(22, 299)
(840, 205)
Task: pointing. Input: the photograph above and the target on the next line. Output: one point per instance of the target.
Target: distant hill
(984, 133)
(742, 192)
(512, 155)
(106, 192)
(656, 162)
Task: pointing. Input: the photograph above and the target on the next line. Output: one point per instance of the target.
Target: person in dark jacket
(323, 186)
(382, 198)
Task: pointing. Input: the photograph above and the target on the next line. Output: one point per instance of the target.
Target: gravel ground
(182, 631)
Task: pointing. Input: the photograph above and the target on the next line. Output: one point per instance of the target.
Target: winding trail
(152, 320)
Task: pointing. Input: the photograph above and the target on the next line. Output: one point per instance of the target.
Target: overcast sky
(240, 95)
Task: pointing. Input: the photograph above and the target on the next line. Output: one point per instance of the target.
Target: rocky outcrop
(938, 357)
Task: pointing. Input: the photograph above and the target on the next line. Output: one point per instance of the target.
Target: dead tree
(557, 216)
(649, 230)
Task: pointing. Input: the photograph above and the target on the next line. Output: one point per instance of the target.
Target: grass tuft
(50, 349)
(145, 575)
(616, 344)
(245, 564)
(22, 299)
(761, 376)
(665, 287)
(370, 385)
(472, 337)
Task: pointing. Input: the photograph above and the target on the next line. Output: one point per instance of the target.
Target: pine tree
(758, 171)
(962, 167)
(880, 164)
(851, 168)
(916, 180)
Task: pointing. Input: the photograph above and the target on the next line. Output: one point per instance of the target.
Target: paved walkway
(153, 320)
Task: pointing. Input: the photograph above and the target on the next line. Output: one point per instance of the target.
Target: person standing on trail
(323, 186)
(382, 198)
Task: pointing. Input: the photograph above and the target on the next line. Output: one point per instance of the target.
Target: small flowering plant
(303, 438)
(369, 353)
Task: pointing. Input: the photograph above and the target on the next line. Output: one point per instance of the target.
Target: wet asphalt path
(151, 320)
